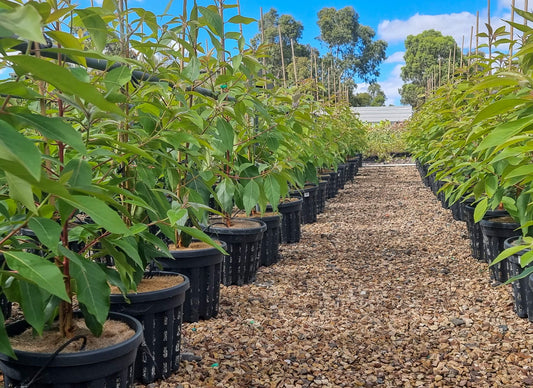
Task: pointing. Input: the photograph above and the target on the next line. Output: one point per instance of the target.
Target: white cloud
(389, 85)
(395, 57)
(457, 25)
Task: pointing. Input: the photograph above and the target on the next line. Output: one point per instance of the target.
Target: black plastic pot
(522, 290)
(309, 205)
(495, 232)
(290, 220)
(160, 313)
(5, 305)
(203, 268)
(107, 367)
(474, 230)
(244, 248)
(341, 171)
(321, 196)
(353, 168)
(333, 188)
(271, 239)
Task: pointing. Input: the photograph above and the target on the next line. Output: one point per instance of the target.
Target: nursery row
(472, 142)
(125, 143)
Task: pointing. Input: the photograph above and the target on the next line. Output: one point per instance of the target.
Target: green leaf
(177, 216)
(91, 285)
(498, 107)
(18, 89)
(226, 134)
(54, 128)
(520, 171)
(272, 191)
(95, 25)
(213, 20)
(5, 345)
(100, 212)
(63, 80)
(503, 132)
(250, 196)
(225, 191)
(48, 232)
(491, 185)
(69, 41)
(33, 304)
(199, 235)
(16, 148)
(81, 173)
(23, 21)
(117, 77)
(38, 271)
(238, 19)
(21, 191)
(191, 72)
(481, 209)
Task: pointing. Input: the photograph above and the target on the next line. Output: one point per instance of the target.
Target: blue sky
(392, 20)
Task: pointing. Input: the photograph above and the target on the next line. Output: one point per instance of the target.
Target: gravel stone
(381, 290)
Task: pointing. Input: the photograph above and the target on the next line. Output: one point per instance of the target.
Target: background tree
(351, 43)
(374, 96)
(423, 52)
(290, 29)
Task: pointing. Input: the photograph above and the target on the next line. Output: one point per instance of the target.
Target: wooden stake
(526, 6)
(453, 62)
(294, 63)
(282, 58)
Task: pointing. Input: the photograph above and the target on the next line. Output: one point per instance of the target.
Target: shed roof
(375, 114)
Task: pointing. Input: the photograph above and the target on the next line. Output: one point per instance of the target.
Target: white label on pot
(306, 195)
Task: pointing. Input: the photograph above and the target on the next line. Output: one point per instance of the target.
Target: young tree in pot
(48, 172)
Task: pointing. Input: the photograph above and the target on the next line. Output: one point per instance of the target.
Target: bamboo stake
(282, 58)
(453, 62)
(294, 63)
(317, 80)
(490, 37)
(449, 64)
(477, 33)
(329, 87)
(511, 36)
(222, 54)
(440, 80)
(262, 37)
(462, 50)
(239, 12)
(470, 48)
(526, 6)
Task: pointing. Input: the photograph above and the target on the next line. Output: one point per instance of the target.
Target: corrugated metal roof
(375, 114)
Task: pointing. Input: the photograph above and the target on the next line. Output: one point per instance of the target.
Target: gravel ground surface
(381, 291)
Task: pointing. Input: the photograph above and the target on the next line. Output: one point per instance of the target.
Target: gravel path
(381, 291)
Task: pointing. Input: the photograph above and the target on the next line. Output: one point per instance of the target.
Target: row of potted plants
(120, 138)
(471, 140)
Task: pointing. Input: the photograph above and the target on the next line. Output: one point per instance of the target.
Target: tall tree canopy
(351, 43)
(423, 53)
(290, 29)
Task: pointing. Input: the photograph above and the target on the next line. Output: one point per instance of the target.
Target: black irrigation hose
(52, 357)
(102, 64)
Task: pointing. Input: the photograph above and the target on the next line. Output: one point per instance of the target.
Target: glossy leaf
(20, 151)
(96, 27)
(100, 212)
(62, 79)
(250, 196)
(39, 271)
(24, 21)
(48, 232)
